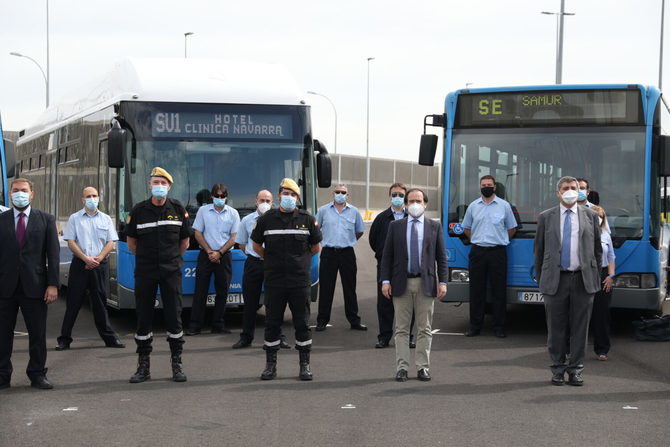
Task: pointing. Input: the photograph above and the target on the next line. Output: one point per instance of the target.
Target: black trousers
(34, 312)
(600, 319)
(96, 281)
(145, 298)
(276, 299)
(331, 261)
(488, 263)
(252, 285)
(386, 312)
(222, 272)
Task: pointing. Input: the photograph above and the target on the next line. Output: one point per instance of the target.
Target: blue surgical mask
(159, 191)
(397, 201)
(91, 203)
(581, 195)
(220, 203)
(288, 202)
(20, 199)
(340, 198)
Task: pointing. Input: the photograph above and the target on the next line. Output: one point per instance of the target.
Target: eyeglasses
(344, 193)
(219, 196)
(398, 194)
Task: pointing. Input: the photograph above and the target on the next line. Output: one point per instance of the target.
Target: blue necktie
(565, 246)
(414, 267)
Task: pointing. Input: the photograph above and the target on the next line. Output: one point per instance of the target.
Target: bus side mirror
(427, 150)
(10, 157)
(324, 169)
(116, 141)
(664, 149)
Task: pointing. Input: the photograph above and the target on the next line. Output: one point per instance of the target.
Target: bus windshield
(527, 164)
(244, 167)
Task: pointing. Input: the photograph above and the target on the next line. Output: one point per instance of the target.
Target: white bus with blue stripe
(204, 121)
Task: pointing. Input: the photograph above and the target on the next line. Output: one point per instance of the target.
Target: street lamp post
(660, 56)
(339, 159)
(189, 33)
(559, 39)
(48, 76)
(46, 79)
(367, 144)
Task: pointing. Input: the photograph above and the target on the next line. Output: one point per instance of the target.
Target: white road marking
(314, 325)
(348, 407)
(20, 334)
(448, 333)
(71, 409)
(628, 407)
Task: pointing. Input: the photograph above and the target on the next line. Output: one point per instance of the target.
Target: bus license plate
(531, 297)
(233, 298)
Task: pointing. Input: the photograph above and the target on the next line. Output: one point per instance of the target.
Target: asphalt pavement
(485, 390)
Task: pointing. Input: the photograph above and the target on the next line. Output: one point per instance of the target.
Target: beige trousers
(413, 300)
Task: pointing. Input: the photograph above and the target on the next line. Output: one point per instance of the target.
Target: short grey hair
(565, 179)
(340, 185)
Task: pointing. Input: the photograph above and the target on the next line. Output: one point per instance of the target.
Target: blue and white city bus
(204, 121)
(6, 166)
(528, 138)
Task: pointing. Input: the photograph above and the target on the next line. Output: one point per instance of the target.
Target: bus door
(51, 165)
(107, 193)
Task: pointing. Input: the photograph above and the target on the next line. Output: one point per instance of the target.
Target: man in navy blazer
(29, 260)
(414, 247)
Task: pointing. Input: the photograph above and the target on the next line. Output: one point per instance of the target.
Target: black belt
(409, 275)
(495, 247)
(571, 272)
(338, 249)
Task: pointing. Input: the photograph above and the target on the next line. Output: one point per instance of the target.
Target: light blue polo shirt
(91, 233)
(489, 222)
(244, 235)
(339, 228)
(216, 226)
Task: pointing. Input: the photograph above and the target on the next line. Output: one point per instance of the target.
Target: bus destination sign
(221, 125)
(591, 107)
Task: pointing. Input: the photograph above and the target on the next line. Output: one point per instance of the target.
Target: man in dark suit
(377, 239)
(567, 267)
(29, 257)
(413, 248)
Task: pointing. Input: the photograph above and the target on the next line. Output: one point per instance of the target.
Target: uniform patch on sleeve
(185, 214)
(316, 224)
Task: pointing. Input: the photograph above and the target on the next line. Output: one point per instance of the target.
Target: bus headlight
(648, 281)
(627, 280)
(460, 275)
(635, 280)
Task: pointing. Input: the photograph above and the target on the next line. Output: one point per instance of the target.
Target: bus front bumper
(651, 299)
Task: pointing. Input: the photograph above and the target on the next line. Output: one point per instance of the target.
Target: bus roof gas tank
(209, 81)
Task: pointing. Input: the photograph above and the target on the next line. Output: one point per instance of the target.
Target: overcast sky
(422, 51)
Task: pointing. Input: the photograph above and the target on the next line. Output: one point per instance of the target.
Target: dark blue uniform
(159, 231)
(287, 238)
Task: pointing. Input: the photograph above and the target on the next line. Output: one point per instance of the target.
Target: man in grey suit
(567, 261)
(413, 247)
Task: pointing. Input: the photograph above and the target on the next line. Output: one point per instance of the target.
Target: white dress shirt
(574, 235)
(16, 216)
(419, 229)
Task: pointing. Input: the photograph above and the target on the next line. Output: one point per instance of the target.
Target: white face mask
(570, 196)
(416, 210)
(263, 208)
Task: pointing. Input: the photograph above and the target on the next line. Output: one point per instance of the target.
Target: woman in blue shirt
(600, 317)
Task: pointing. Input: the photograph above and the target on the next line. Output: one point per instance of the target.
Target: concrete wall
(383, 173)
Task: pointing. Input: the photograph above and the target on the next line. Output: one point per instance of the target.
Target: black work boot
(270, 371)
(305, 372)
(177, 373)
(142, 374)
